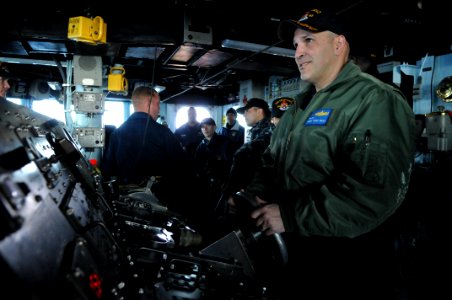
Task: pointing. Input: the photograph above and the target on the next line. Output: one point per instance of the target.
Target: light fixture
(444, 89)
(239, 45)
(55, 85)
(157, 88)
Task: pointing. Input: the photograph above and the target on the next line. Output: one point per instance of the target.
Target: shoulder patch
(319, 117)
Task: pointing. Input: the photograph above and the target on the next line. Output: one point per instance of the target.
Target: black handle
(245, 205)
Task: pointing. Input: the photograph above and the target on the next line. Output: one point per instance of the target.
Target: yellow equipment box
(87, 30)
(116, 80)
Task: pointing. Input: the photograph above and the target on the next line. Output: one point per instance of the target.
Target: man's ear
(340, 43)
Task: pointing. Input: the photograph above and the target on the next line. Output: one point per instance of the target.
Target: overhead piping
(240, 45)
(225, 70)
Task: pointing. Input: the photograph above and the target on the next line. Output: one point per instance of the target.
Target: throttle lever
(245, 202)
(245, 205)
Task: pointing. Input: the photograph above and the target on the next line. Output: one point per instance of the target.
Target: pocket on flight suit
(369, 158)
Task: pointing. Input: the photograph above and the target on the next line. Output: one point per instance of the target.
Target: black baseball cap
(208, 121)
(280, 105)
(314, 20)
(255, 102)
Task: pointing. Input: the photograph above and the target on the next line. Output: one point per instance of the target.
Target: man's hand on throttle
(268, 218)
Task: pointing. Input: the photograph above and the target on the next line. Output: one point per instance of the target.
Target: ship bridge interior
(66, 232)
(207, 47)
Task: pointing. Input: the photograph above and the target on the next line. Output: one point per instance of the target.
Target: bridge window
(15, 100)
(115, 113)
(50, 108)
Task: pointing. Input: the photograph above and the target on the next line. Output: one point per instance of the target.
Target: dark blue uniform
(236, 135)
(189, 137)
(141, 148)
(213, 162)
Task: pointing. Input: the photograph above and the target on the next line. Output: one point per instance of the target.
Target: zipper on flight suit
(365, 150)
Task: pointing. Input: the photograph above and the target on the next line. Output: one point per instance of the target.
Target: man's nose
(299, 52)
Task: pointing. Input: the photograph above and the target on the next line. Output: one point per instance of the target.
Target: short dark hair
(4, 72)
(208, 121)
(231, 111)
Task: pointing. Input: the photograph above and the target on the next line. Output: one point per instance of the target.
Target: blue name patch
(319, 117)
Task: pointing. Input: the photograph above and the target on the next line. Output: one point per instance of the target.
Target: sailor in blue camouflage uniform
(247, 159)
